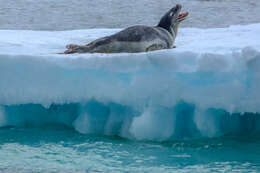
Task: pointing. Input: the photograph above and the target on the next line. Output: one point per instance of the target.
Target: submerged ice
(206, 87)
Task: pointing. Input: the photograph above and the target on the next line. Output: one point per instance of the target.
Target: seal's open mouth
(182, 16)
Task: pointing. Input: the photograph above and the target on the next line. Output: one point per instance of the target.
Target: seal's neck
(175, 28)
(172, 29)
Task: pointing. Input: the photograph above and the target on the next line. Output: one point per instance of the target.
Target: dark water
(82, 14)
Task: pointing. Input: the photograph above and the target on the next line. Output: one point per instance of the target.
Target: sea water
(60, 149)
(81, 14)
(190, 109)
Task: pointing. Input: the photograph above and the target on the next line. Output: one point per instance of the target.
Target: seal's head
(171, 20)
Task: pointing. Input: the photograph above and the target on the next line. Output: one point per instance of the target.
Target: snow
(210, 69)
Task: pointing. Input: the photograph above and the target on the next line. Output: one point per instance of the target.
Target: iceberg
(208, 86)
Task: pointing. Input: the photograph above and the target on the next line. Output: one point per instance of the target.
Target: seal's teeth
(183, 15)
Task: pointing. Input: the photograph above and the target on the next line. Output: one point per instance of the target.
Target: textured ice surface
(207, 86)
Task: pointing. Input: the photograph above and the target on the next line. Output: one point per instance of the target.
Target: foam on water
(206, 87)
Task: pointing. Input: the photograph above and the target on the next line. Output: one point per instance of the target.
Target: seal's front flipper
(154, 47)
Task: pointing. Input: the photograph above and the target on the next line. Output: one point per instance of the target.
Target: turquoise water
(61, 149)
(98, 137)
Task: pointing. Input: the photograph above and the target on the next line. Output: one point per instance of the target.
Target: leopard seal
(137, 38)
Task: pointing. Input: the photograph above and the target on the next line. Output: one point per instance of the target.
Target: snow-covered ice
(137, 95)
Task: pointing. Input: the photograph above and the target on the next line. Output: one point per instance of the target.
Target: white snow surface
(210, 68)
(218, 40)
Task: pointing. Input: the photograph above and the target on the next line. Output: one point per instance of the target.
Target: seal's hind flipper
(72, 46)
(77, 49)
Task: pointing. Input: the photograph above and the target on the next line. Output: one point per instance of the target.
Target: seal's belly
(132, 47)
